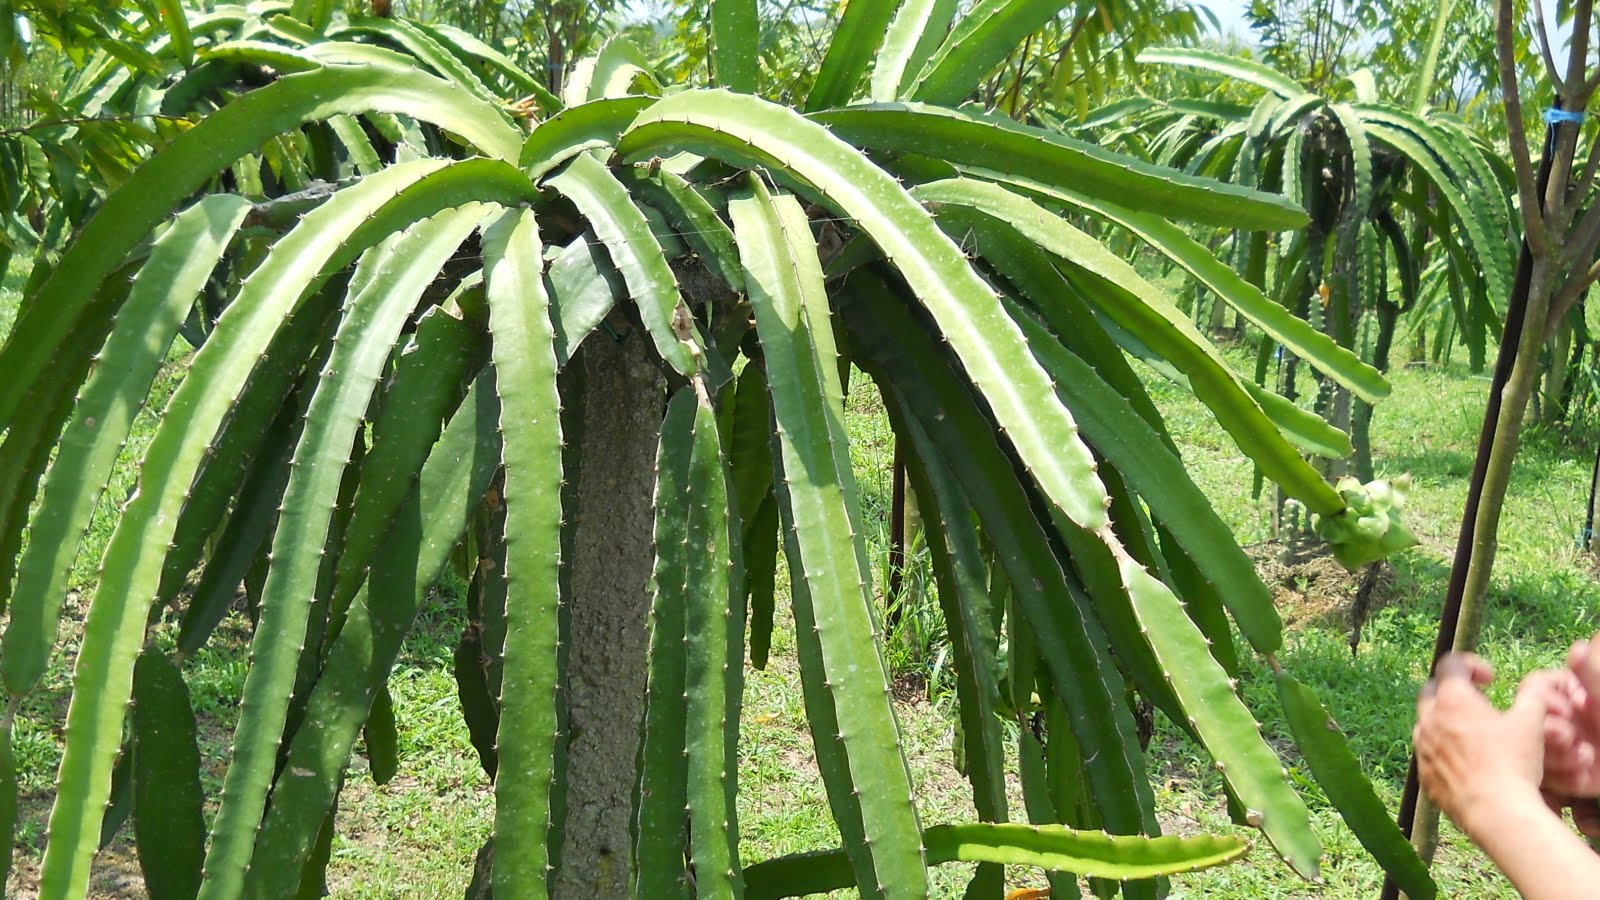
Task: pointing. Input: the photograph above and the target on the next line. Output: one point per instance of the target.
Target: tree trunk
(1590, 543)
(1516, 368)
(623, 400)
(1486, 529)
(556, 64)
(1553, 390)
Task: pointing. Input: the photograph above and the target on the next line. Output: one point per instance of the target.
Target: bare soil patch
(114, 876)
(909, 688)
(1311, 589)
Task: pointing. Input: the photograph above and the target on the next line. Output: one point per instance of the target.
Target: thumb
(1467, 666)
(1534, 697)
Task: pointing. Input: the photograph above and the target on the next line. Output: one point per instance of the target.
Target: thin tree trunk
(555, 65)
(1497, 479)
(623, 402)
(1515, 370)
(1485, 532)
(1553, 392)
(1573, 363)
(1590, 542)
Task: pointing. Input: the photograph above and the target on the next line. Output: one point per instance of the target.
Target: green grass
(417, 835)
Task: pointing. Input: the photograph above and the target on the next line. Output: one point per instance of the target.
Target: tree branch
(1585, 181)
(1579, 243)
(1582, 23)
(1024, 66)
(1544, 47)
(1516, 135)
(1569, 294)
(1561, 202)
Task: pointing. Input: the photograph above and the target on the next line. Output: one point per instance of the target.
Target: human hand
(1572, 741)
(1571, 736)
(1473, 759)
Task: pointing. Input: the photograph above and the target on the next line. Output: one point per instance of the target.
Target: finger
(1446, 700)
(1430, 689)
(1567, 692)
(1577, 661)
(1576, 654)
(1568, 699)
(1549, 682)
(1529, 710)
(1572, 771)
(1424, 737)
(1453, 667)
(1559, 733)
(1467, 666)
(1582, 756)
(1586, 666)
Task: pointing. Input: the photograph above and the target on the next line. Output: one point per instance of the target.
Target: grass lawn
(416, 836)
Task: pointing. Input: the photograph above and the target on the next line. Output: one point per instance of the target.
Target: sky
(1230, 15)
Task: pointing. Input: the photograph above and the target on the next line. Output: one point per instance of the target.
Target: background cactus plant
(451, 298)
(1411, 193)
